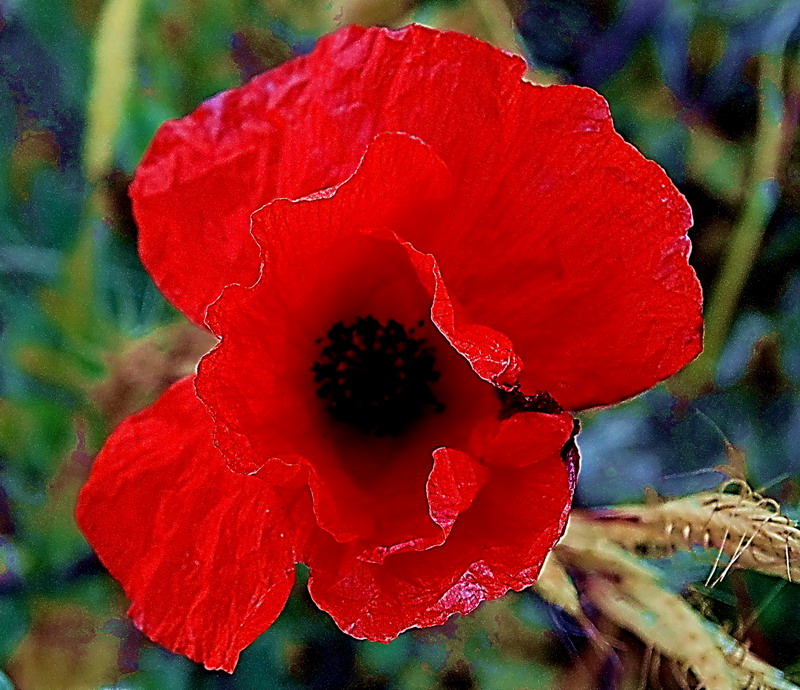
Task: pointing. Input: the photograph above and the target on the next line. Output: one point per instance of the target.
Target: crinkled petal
(321, 268)
(258, 383)
(300, 128)
(498, 543)
(205, 555)
(512, 450)
(577, 251)
(489, 352)
(561, 236)
(454, 482)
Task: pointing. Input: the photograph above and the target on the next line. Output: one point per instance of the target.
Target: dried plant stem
(748, 531)
(598, 563)
(666, 623)
(751, 672)
(555, 585)
(627, 592)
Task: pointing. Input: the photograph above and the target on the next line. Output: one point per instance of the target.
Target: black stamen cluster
(376, 377)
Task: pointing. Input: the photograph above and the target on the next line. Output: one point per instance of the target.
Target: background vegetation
(708, 88)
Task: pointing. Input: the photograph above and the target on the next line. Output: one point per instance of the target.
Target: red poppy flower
(442, 260)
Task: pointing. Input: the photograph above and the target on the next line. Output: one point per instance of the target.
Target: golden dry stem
(746, 530)
(626, 591)
(555, 585)
(751, 672)
(598, 562)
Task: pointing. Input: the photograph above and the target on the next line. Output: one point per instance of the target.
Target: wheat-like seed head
(626, 590)
(598, 562)
(747, 530)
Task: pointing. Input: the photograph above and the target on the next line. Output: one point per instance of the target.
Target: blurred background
(708, 88)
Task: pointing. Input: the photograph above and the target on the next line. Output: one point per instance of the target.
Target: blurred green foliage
(686, 84)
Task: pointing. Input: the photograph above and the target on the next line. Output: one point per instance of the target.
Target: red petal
(314, 278)
(292, 131)
(564, 238)
(452, 485)
(205, 555)
(498, 543)
(258, 383)
(512, 449)
(489, 352)
(582, 253)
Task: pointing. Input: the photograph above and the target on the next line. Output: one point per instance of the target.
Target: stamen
(376, 377)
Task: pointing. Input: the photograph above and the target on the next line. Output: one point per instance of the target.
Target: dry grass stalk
(747, 530)
(556, 586)
(624, 589)
(751, 672)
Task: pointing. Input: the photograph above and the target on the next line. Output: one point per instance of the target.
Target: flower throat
(376, 377)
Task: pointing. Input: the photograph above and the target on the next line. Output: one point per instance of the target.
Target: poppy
(417, 266)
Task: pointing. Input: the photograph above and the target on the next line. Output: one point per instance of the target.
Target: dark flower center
(376, 377)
